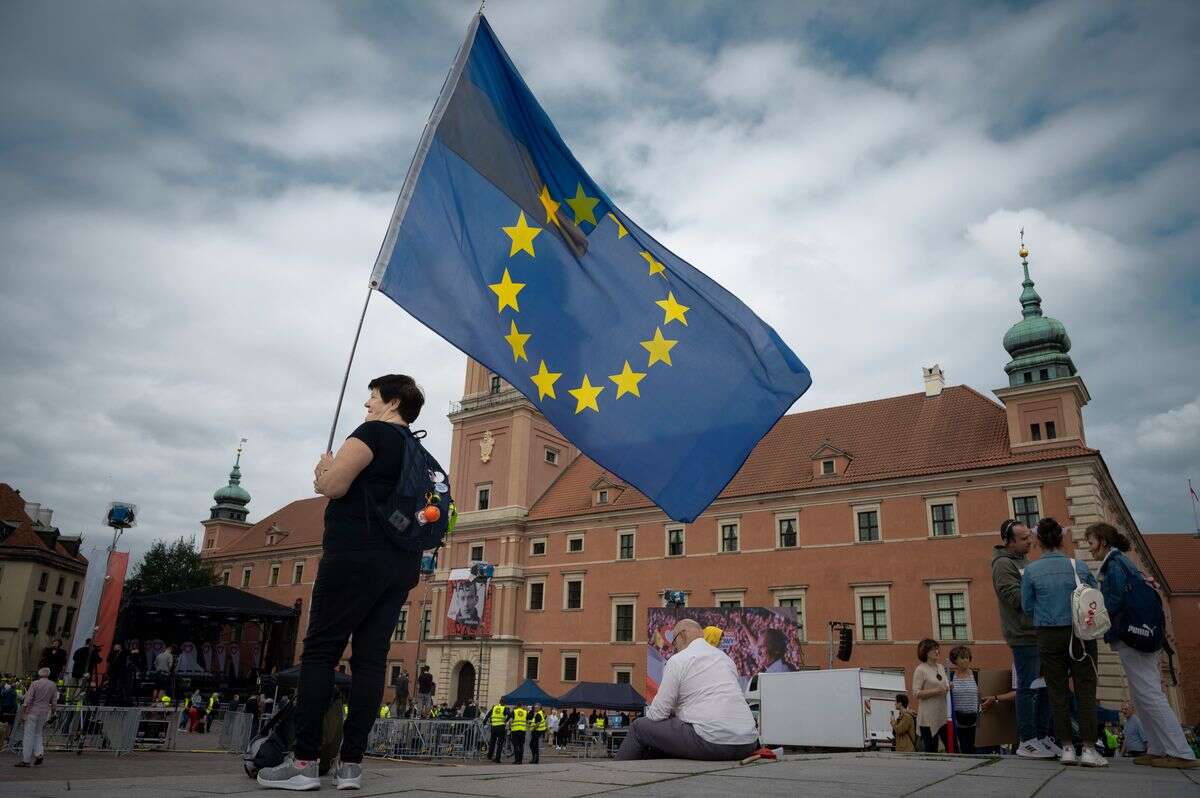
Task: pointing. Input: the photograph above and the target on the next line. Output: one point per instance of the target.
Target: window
(873, 617)
(1025, 510)
(601, 497)
(75, 589)
(729, 604)
(675, 542)
(787, 533)
(1028, 376)
(533, 664)
(225, 577)
(827, 468)
(44, 581)
(537, 596)
(55, 611)
(401, 626)
(623, 623)
(62, 585)
(297, 573)
(1051, 434)
(426, 617)
(622, 675)
(483, 497)
(68, 622)
(538, 548)
(625, 546)
(395, 675)
(868, 525)
(1043, 374)
(729, 535)
(570, 670)
(943, 519)
(274, 578)
(951, 616)
(575, 544)
(1035, 432)
(35, 618)
(796, 603)
(477, 551)
(495, 387)
(246, 572)
(551, 456)
(573, 598)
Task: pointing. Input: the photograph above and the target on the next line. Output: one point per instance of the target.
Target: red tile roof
(1178, 558)
(302, 522)
(887, 438)
(12, 510)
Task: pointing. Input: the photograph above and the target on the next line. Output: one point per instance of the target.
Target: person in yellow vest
(520, 722)
(434, 712)
(345, 710)
(385, 711)
(166, 700)
(210, 711)
(537, 727)
(497, 717)
(600, 721)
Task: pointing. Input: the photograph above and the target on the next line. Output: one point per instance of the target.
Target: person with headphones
(1033, 709)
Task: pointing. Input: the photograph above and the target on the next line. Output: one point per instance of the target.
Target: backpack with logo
(419, 512)
(1088, 615)
(1141, 622)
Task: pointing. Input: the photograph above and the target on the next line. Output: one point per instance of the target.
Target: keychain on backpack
(431, 512)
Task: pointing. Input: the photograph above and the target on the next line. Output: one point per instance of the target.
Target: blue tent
(602, 695)
(528, 692)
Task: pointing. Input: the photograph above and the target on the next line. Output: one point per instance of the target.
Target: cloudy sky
(192, 196)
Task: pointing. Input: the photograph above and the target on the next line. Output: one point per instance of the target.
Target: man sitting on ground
(699, 711)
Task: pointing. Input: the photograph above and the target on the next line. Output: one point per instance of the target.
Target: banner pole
(346, 377)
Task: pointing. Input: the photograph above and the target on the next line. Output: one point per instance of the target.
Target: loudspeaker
(845, 643)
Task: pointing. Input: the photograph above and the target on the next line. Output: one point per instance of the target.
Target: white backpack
(1088, 615)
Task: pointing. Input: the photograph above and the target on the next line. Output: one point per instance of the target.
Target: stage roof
(603, 695)
(216, 600)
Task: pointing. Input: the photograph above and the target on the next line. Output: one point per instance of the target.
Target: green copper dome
(232, 499)
(1037, 344)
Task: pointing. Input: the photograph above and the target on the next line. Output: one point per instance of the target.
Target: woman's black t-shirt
(350, 522)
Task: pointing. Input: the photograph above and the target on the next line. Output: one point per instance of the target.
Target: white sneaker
(1067, 757)
(289, 776)
(347, 776)
(1051, 746)
(1091, 758)
(1032, 749)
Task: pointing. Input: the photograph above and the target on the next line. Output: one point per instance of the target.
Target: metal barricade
(236, 730)
(425, 739)
(156, 728)
(83, 728)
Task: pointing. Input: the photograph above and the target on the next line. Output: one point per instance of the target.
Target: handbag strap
(1075, 573)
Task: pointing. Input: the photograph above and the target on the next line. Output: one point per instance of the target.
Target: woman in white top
(552, 722)
(930, 686)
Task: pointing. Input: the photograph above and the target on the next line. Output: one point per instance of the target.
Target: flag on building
(502, 244)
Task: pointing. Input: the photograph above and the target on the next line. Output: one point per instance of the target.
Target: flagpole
(346, 377)
(1195, 515)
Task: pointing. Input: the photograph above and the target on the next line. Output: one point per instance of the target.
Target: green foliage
(167, 567)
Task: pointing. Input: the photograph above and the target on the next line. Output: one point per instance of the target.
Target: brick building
(882, 514)
(1178, 557)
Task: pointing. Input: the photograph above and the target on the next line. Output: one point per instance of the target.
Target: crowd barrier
(426, 739)
(80, 728)
(235, 731)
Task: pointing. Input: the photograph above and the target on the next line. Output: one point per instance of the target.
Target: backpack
(1088, 615)
(422, 484)
(1141, 622)
(272, 743)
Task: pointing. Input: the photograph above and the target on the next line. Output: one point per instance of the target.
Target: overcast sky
(192, 196)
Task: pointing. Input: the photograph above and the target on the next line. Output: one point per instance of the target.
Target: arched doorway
(465, 690)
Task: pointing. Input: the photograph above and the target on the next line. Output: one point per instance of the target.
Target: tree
(164, 568)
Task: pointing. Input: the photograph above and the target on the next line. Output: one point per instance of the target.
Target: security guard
(497, 718)
(385, 711)
(537, 727)
(520, 722)
(166, 700)
(210, 710)
(599, 723)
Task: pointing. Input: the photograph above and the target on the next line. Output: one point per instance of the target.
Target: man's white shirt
(700, 686)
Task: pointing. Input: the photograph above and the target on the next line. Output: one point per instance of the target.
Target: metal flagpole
(346, 377)
(1195, 515)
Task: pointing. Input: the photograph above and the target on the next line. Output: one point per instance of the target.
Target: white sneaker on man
(1091, 758)
(1051, 746)
(1067, 757)
(1033, 749)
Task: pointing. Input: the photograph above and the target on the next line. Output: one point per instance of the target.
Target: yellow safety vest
(433, 713)
(539, 721)
(518, 721)
(498, 715)
(166, 701)
(212, 702)
(345, 710)
(384, 712)
(600, 722)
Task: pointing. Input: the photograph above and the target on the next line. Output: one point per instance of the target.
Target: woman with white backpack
(1047, 596)
(1137, 635)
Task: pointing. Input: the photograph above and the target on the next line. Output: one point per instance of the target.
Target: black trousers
(929, 738)
(496, 743)
(535, 739)
(964, 732)
(357, 598)
(518, 741)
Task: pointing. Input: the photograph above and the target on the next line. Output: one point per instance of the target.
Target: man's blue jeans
(1033, 706)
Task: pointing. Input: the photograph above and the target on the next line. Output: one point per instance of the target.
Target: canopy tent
(602, 695)
(528, 692)
(290, 678)
(222, 601)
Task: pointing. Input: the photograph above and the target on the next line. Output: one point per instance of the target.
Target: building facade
(1178, 556)
(880, 514)
(41, 582)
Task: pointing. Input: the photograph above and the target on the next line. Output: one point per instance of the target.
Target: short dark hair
(925, 646)
(902, 700)
(1049, 533)
(403, 389)
(1109, 534)
(960, 652)
(776, 641)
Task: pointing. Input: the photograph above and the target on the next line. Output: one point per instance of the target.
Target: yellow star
(522, 236)
(672, 310)
(627, 381)
(621, 231)
(585, 396)
(506, 293)
(655, 266)
(659, 348)
(584, 206)
(544, 380)
(516, 339)
(550, 205)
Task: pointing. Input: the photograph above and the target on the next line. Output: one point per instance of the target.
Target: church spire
(232, 499)
(1037, 343)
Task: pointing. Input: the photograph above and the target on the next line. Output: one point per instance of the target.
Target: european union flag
(502, 244)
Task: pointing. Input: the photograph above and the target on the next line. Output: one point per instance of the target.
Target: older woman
(362, 583)
(930, 687)
(1166, 746)
(1046, 589)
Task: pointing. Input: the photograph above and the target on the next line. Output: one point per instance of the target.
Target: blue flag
(502, 244)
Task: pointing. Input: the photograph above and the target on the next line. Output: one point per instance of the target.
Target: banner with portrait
(468, 605)
(757, 639)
